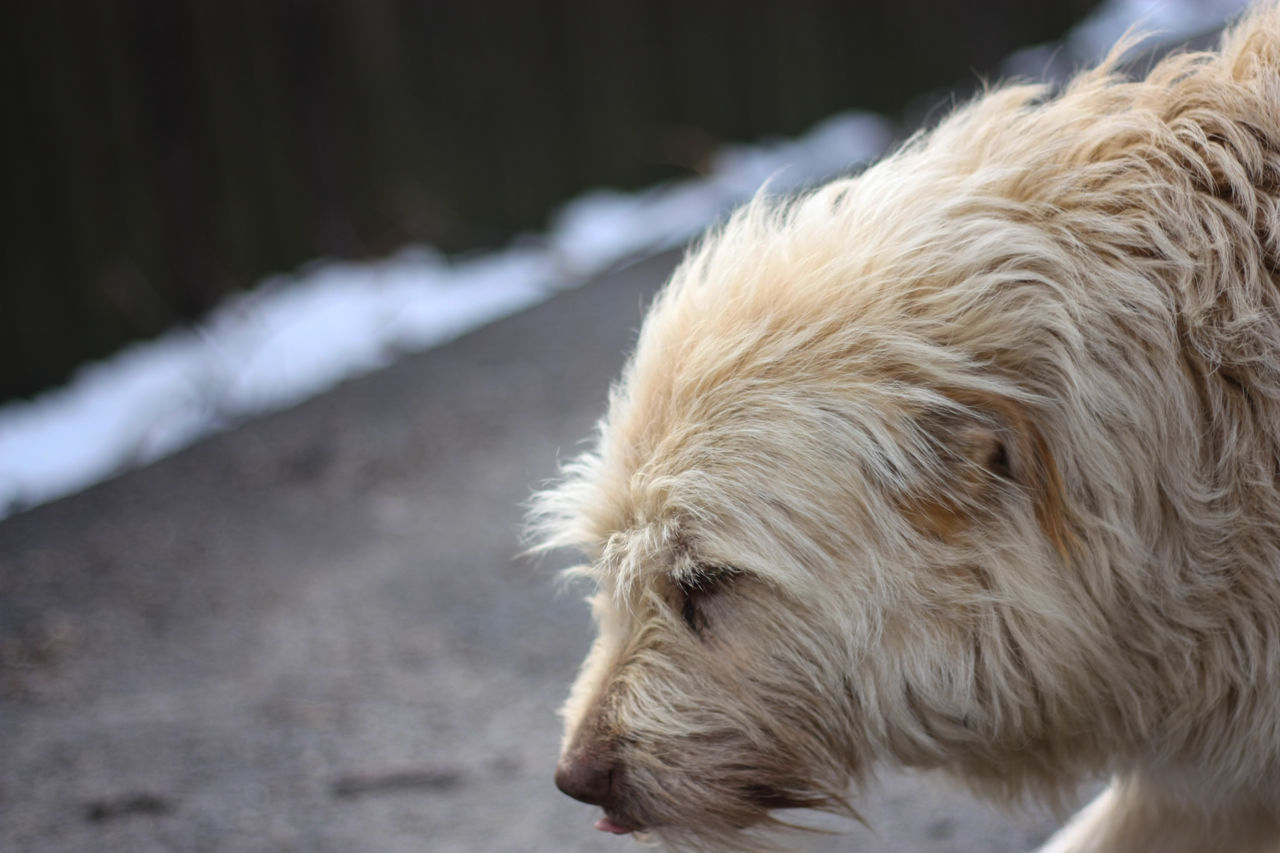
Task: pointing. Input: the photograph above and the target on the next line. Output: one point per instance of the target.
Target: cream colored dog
(971, 462)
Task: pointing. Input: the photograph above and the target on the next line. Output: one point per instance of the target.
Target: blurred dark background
(165, 152)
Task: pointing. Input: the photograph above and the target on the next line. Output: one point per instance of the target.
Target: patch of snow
(297, 335)
(1163, 22)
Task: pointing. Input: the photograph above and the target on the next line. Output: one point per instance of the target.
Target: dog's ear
(995, 446)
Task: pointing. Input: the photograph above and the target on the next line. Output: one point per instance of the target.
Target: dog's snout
(586, 777)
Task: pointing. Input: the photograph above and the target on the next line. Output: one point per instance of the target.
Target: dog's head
(834, 514)
(796, 519)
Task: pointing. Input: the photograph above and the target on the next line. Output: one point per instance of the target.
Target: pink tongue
(606, 824)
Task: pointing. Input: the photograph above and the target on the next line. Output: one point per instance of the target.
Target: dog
(969, 462)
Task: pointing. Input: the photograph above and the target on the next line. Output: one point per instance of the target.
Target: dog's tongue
(607, 824)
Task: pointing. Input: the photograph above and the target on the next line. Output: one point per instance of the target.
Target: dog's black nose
(586, 777)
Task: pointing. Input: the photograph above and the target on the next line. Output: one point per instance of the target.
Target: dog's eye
(695, 590)
(692, 617)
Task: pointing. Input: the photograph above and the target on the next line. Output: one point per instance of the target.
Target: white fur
(975, 458)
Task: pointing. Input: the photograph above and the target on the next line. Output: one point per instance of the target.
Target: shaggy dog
(970, 462)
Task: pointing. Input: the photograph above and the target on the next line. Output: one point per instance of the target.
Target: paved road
(311, 633)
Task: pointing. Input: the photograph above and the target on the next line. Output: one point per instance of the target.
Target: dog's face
(811, 536)
(795, 525)
(688, 720)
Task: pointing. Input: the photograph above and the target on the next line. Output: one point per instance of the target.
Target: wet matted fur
(969, 462)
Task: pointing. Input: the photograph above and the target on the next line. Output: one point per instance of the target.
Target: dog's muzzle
(594, 780)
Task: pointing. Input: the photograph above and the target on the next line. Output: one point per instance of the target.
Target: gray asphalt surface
(312, 633)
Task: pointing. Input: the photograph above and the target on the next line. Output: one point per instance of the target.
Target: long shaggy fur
(970, 462)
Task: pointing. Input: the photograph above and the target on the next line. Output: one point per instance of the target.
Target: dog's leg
(1125, 818)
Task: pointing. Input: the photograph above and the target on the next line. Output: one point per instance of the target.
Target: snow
(1160, 21)
(298, 335)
